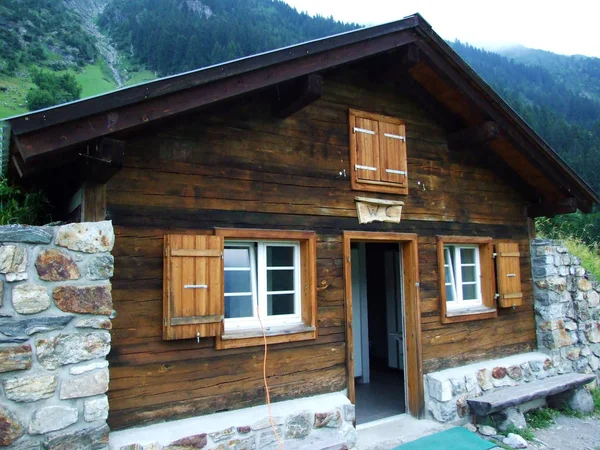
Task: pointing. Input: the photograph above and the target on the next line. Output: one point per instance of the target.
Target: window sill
(469, 314)
(275, 335)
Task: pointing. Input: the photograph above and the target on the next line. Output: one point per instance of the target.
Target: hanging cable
(271, 422)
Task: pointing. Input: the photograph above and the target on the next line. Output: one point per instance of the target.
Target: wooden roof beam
(550, 209)
(548, 164)
(298, 95)
(44, 141)
(469, 138)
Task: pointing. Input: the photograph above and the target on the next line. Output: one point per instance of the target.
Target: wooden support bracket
(103, 159)
(298, 95)
(468, 138)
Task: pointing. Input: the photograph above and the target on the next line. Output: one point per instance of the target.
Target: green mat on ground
(452, 439)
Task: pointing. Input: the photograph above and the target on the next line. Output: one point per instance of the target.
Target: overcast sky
(566, 27)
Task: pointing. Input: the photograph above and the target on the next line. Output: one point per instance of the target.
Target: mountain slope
(566, 118)
(172, 36)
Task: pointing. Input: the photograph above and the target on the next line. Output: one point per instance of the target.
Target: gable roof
(430, 71)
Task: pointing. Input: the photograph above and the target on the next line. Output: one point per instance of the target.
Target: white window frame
(259, 269)
(455, 269)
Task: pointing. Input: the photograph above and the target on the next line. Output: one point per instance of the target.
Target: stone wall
(567, 309)
(447, 391)
(55, 309)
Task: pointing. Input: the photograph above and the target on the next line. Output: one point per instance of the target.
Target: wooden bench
(504, 398)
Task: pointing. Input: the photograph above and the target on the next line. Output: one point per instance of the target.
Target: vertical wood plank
(93, 205)
(367, 149)
(392, 152)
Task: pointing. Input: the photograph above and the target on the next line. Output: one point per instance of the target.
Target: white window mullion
(297, 282)
(458, 275)
(253, 272)
(262, 280)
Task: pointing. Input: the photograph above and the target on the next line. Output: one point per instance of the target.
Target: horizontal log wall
(239, 166)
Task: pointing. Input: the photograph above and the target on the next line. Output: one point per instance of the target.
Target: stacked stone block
(55, 309)
(332, 430)
(567, 309)
(447, 391)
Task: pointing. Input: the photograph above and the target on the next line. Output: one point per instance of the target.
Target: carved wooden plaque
(375, 210)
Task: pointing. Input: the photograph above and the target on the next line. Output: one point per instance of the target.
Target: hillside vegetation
(104, 44)
(172, 36)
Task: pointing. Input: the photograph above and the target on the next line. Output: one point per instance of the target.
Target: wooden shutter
(392, 141)
(366, 135)
(193, 303)
(508, 272)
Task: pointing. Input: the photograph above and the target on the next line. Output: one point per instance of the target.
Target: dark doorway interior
(378, 331)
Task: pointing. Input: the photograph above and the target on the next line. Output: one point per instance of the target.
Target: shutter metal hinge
(395, 136)
(494, 255)
(349, 259)
(417, 284)
(397, 172)
(496, 296)
(358, 166)
(165, 321)
(362, 130)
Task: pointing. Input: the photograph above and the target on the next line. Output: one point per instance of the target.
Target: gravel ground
(569, 433)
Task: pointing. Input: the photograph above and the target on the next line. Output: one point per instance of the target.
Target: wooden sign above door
(375, 210)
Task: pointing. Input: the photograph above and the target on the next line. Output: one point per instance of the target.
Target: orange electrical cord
(267, 385)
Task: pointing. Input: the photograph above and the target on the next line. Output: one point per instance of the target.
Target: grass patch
(525, 433)
(589, 257)
(596, 396)
(94, 80)
(541, 418)
(139, 77)
(12, 95)
(569, 412)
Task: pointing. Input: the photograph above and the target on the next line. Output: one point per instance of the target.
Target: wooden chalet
(363, 181)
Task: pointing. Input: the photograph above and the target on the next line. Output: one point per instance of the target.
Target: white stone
(440, 389)
(580, 272)
(29, 298)
(469, 426)
(30, 388)
(85, 386)
(11, 277)
(89, 237)
(443, 411)
(593, 299)
(52, 418)
(72, 348)
(471, 382)
(486, 430)
(152, 446)
(266, 423)
(514, 441)
(13, 259)
(78, 370)
(96, 409)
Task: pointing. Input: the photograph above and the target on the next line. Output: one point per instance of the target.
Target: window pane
(237, 281)
(237, 257)
(280, 280)
(449, 293)
(467, 256)
(448, 272)
(238, 306)
(468, 273)
(280, 256)
(280, 304)
(469, 292)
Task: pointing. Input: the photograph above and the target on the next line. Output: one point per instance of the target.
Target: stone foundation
(55, 308)
(447, 391)
(321, 422)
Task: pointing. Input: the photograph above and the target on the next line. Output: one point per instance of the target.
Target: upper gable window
(378, 153)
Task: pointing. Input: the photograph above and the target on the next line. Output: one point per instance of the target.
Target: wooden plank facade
(238, 165)
(265, 143)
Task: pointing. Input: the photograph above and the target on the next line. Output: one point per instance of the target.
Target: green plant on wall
(20, 206)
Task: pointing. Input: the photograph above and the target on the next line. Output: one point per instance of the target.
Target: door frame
(412, 311)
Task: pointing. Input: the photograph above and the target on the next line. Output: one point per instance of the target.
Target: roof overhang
(433, 72)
